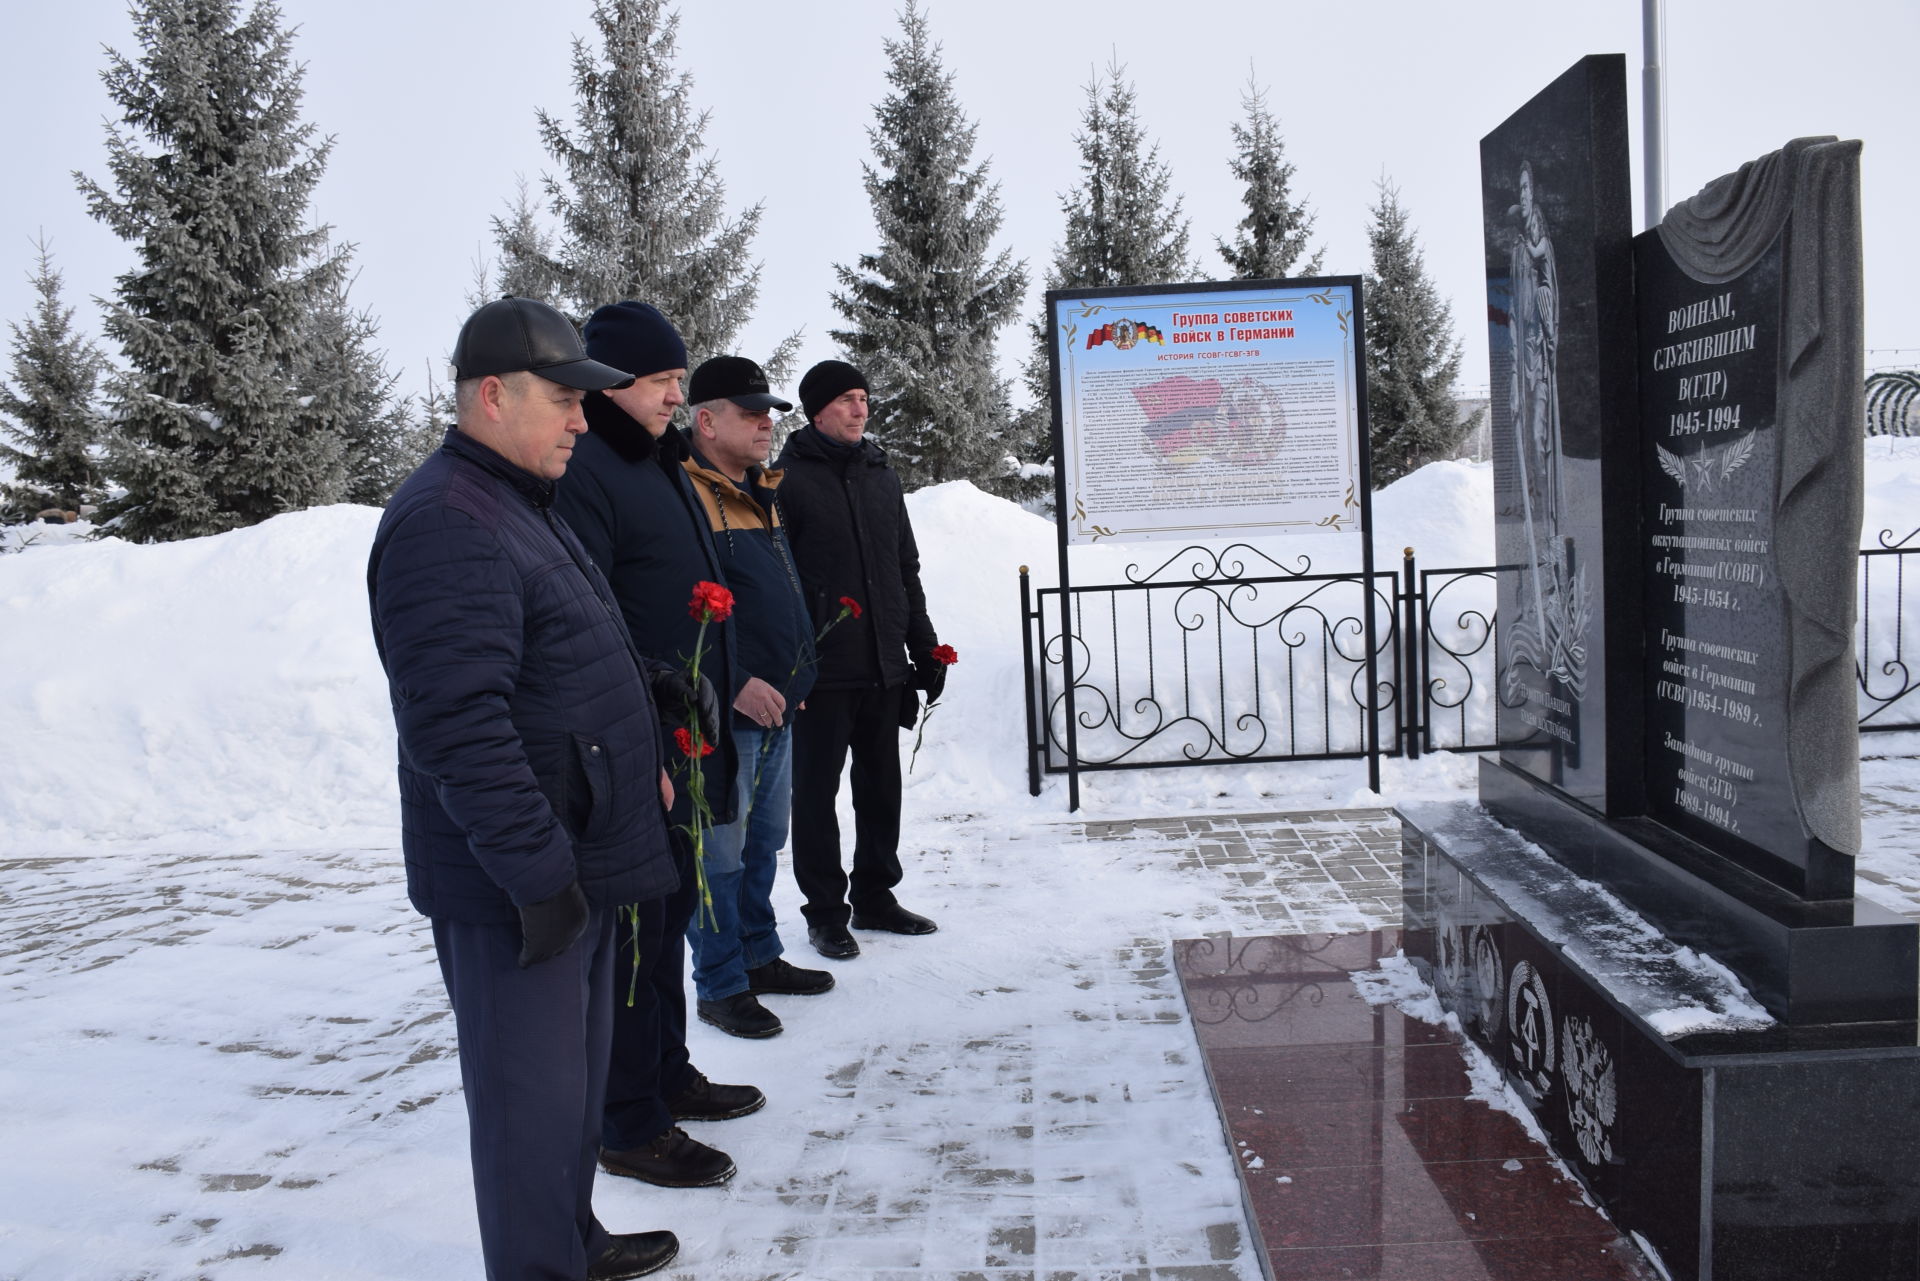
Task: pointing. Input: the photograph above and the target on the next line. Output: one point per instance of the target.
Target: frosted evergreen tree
(48, 408)
(383, 442)
(213, 423)
(1273, 237)
(1413, 356)
(923, 311)
(639, 201)
(527, 268)
(1122, 229)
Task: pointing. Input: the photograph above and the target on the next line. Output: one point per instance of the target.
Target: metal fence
(1889, 692)
(1228, 656)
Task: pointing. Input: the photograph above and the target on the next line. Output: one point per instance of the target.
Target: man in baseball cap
(737, 951)
(515, 335)
(532, 793)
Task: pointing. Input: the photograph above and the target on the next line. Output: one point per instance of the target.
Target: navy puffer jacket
(529, 748)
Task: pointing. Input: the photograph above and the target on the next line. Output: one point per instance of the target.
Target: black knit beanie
(825, 383)
(646, 341)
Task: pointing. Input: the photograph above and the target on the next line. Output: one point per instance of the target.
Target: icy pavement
(229, 1065)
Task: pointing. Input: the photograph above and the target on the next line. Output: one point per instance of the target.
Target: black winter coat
(635, 511)
(529, 746)
(847, 523)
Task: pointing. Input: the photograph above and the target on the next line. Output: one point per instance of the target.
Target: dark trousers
(648, 1064)
(865, 722)
(533, 1054)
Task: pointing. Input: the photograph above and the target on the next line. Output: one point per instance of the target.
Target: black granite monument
(1649, 920)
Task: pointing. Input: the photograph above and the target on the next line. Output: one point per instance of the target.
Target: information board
(1210, 410)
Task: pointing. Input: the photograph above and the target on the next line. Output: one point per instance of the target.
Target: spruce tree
(1412, 354)
(1121, 230)
(49, 399)
(639, 201)
(1272, 238)
(382, 441)
(213, 423)
(923, 311)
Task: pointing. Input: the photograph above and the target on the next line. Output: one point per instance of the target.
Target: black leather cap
(516, 335)
(733, 378)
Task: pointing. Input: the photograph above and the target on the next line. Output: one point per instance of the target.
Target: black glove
(909, 707)
(675, 695)
(930, 674)
(551, 926)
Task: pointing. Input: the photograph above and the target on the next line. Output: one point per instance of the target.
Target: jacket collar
(628, 438)
(758, 477)
(537, 490)
(809, 442)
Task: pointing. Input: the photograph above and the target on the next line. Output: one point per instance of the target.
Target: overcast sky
(432, 108)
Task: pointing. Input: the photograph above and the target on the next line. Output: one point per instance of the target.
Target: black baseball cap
(515, 335)
(733, 378)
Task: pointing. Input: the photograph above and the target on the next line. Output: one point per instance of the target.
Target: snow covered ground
(228, 1049)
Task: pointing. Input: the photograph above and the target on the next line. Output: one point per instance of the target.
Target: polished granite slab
(1733, 1148)
(1360, 1152)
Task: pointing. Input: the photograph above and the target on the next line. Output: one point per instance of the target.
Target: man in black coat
(635, 512)
(531, 789)
(847, 522)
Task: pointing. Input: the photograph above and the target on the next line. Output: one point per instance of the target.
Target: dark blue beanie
(635, 337)
(825, 383)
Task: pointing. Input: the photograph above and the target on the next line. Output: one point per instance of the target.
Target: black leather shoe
(674, 1160)
(634, 1254)
(894, 919)
(778, 977)
(705, 1101)
(833, 942)
(740, 1015)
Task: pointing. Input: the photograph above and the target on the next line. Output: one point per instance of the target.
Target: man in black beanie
(635, 513)
(847, 522)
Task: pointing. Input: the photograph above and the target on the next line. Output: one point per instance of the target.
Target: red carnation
(947, 655)
(851, 605)
(711, 603)
(683, 737)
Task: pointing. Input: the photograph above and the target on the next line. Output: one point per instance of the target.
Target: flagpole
(1653, 22)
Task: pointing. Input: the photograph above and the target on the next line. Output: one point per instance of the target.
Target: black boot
(740, 1015)
(705, 1101)
(674, 1160)
(779, 977)
(833, 942)
(634, 1254)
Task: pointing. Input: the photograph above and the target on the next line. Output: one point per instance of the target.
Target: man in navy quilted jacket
(533, 802)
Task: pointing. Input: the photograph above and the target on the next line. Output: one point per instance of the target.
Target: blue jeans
(741, 933)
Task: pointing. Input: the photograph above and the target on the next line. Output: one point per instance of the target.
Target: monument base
(1734, 1144)
(1810, 963)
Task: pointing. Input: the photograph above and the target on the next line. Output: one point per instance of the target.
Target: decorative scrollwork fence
(1231, 657)
(1889, 687)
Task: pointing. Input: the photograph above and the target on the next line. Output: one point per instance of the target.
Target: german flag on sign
(1124, 334)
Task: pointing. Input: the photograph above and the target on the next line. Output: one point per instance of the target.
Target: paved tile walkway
(1026, 1106)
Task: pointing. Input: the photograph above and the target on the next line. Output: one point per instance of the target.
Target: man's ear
(493, 396)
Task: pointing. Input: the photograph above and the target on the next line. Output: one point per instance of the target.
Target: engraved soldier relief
(1550, 633)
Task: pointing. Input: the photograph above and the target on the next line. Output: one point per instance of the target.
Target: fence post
(1027, 683)
(1414, 691)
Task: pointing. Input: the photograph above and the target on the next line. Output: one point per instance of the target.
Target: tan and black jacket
(772, 628)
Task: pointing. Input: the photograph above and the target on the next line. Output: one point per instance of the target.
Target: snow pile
(226, 690)
(217, 687)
